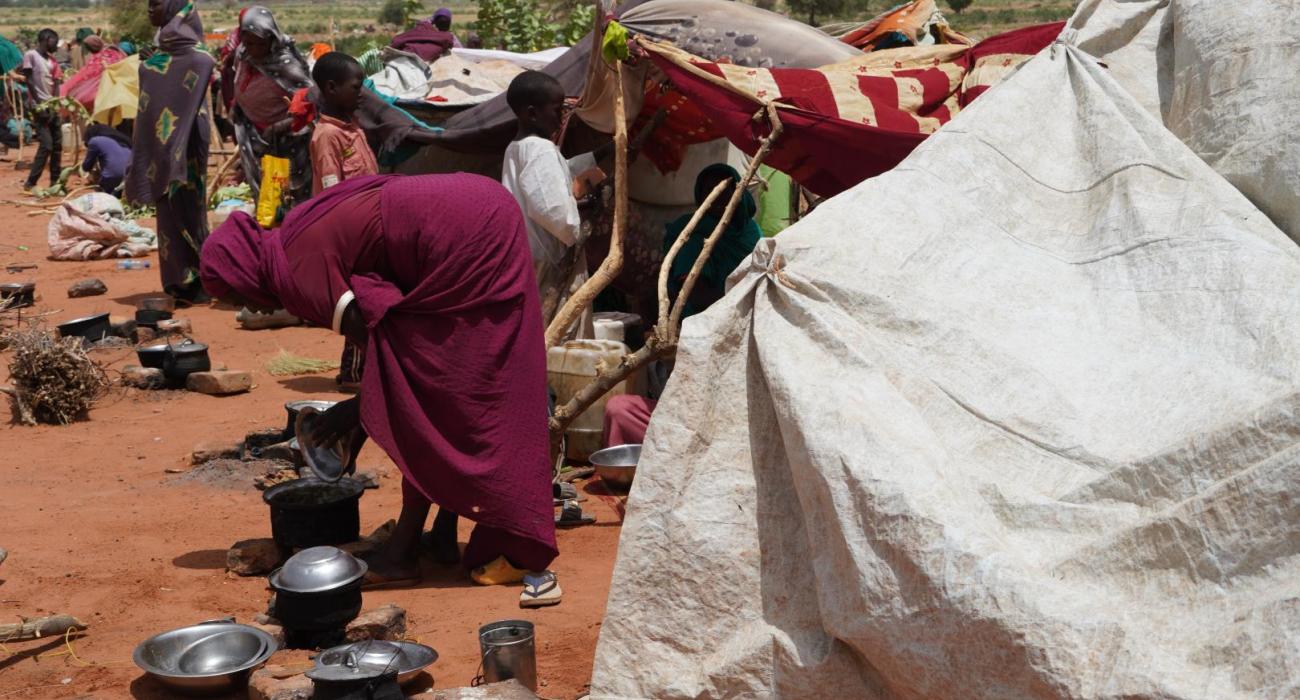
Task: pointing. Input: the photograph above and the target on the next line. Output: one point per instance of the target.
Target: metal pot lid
(188, 347)
(317, 404)
(402, 657)
(318, 570)
(616, 456)
(85, 319)
(329, 463)
(18, 286)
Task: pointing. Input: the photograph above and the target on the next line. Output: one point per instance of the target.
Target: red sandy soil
(96, 527)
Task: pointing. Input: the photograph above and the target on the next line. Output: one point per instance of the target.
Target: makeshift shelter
(1015, 419)
(83, 86)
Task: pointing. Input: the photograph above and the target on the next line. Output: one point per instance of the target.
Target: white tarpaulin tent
(1222, 76)
(1017, 419)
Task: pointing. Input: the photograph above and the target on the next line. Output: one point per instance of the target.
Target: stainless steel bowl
(207, 658)
(317, 570)
(616, 465)
(407, 658)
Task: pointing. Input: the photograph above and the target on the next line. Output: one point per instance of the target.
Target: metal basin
(205, 659)
(616, 465)
(408, 658)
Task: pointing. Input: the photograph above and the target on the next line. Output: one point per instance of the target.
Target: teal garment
(10, 56)
(735, 244)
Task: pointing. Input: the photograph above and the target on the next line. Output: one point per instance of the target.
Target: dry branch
(38, 627)
(612, 265)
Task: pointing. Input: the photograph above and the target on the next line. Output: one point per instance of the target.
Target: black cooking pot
(176, 361)
(318, 611)
(90, 329)
(17, 295)
(384, 687)
(310, 512)
(149, 318)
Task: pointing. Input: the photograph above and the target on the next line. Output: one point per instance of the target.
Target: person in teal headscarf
(737, 240)
(10, 55)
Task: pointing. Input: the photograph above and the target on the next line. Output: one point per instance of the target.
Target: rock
(264, 619)
(219, 382)
(208, 451)
(143, 377)
(121, 326)
(387, 622)
(273, 682)
(276, 631)
(372, 542)
(270, 479)
(367, 479)
(256, 557)
(89, 287)
(280, 451)
(174, 326)
(504, 690)
(143, 334)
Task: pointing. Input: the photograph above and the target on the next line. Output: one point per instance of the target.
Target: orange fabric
(339, 152)
(909, 20)
(318, 50)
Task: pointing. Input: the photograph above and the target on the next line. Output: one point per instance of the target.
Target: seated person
(109, 151)
(626, 417)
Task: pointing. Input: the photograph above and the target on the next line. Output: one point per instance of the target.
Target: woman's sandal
(498, 572)
(540, 590)
(563, 491)
(571, 515)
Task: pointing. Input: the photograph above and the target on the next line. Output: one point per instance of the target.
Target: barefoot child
(339, 152)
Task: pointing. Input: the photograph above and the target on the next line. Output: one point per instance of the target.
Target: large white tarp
(1017, 419)
(1223, 77)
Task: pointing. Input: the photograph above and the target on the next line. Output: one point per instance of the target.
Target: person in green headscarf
(737, 240)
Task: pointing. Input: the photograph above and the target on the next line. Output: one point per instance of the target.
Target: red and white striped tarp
(844, 122)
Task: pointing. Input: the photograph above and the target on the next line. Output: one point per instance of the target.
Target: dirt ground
(97, 528)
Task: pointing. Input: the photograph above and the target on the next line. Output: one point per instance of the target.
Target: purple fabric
(441, 12)
(424, 40)
(454, 386)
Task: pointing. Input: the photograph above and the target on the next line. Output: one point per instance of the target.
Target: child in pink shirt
(339, 151)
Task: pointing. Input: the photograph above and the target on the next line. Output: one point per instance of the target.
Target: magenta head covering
(234, 260)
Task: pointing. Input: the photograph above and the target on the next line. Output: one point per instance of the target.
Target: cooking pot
(90, 328)
(17, 295)
(310, 512)
(176, 361)
(318, 589)
(354, 680)
(161, 302)
(149, 318)
(294, 407)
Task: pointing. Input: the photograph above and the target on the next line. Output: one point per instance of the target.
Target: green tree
(392, 13)
(130, 20)
(822, 11)
(959, 5)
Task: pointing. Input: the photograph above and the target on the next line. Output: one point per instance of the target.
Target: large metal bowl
(327, 462)
(616, 465)
(408, 658)
(205, 659)
(317, 570)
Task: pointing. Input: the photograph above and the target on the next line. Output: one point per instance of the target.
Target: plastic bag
(275, 182)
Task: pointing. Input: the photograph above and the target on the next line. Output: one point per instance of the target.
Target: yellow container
(569, 368)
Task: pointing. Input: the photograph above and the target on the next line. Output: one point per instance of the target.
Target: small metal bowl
(161, 302)
(205, 659)
(616, 465)
(317, 570)
(407, 658)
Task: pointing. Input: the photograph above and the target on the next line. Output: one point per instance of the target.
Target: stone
(264, 437)
(175, 326)
(143, 377)
(256, 557)
(387, 622)
(208, 451)
(121, 326)
(89, 287)
(276, 631)
(270, 479)
(503, 690)
(219, 382)
(367, 480)
(280, 451)
(143, 334)
(372, 542)
(273, 682)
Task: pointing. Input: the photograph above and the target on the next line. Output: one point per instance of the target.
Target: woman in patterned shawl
(169, 155)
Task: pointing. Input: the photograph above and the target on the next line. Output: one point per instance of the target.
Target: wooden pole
(663, 341)
(612, 265)
(22, 125)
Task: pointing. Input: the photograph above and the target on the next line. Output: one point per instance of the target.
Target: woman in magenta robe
(432, 274)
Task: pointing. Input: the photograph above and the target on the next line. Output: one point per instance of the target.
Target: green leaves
(525, 26)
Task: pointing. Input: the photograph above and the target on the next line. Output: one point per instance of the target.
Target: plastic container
(614, 325)
(133, 264)
(569, 368)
